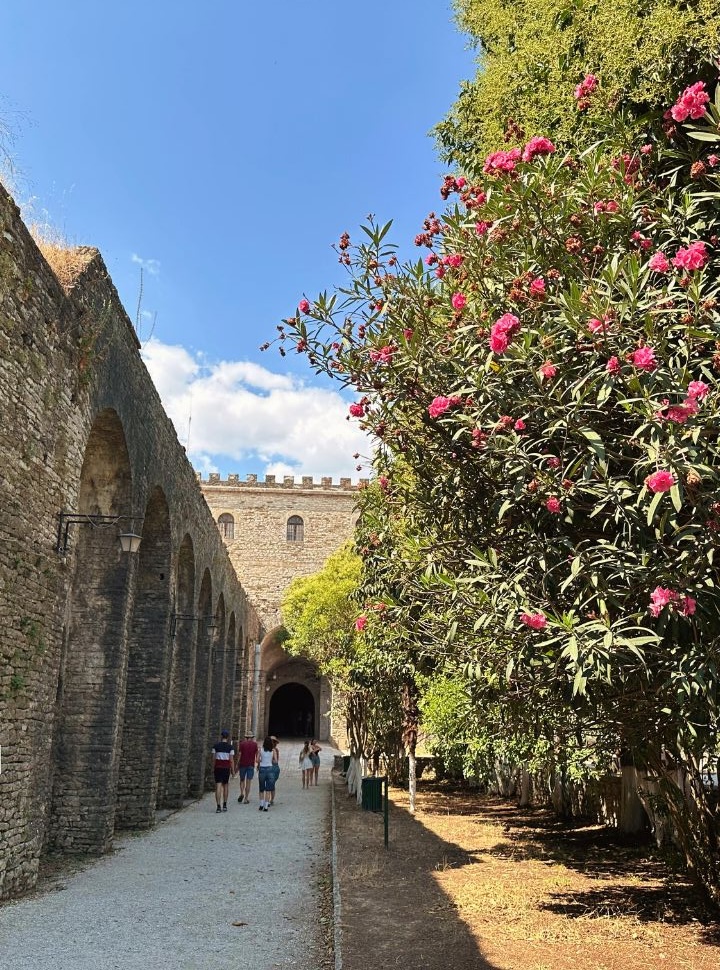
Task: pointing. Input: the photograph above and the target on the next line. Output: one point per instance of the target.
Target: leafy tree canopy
(532, 54)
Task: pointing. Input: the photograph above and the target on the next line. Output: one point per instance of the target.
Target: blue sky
(224, 147)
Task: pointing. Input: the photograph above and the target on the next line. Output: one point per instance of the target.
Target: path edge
(337, 903)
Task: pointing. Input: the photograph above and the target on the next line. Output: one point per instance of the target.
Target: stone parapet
(288, 481)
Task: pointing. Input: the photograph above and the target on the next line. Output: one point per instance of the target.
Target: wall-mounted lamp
(210, 621)
(129, 541)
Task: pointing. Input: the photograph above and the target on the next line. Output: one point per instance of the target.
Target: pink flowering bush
(608, 495)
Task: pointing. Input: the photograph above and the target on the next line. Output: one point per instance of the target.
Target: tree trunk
(524, 799)
(411, 718)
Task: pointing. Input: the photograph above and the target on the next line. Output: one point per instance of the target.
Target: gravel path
(167, 899)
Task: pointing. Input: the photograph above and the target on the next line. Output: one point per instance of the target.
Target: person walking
(276, 766)
(306, 765)
(223, 758)
(245, 766)
(315, 750)
(266, 759)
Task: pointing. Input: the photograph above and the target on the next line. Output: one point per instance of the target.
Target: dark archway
(292, 712)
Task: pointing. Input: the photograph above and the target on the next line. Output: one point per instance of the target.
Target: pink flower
(660, 598)
(384, 482)
(553, 462)
(713, 160)
(679, 413)
(454, 259)
(407, 334)
(659, 263)
(548, 369)
(694, 257)
(697, 389)
(357, 410)
(502, 332)
(597, 326)
(644, 358)
(537, 146)
(691, 103)
(661, 481)
(588, 84)
(553, 505)
(689, 605)
(502, 161)
(383, 355)
(519, 425)
(481, 228)
(461, 182)
(304, 306)
(440, 405)
(459, 300)
(361, 623)
(537, 287)
(599, 208)
(613, 366)
(536, 621)
(612, 206)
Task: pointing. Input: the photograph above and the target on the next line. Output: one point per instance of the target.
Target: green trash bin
(371, 794)
(346, 763)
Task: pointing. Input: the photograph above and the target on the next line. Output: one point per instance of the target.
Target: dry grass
(477, 883)
(67, 262)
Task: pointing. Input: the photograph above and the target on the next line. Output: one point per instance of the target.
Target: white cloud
(152, 266)
(239, 413)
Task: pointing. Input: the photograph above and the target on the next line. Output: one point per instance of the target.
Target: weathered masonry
(117, 669)
(274, 532)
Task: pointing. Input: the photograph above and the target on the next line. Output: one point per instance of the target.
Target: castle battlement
(288, 481)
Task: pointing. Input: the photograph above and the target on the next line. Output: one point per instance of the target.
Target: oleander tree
(542, 390)
(528, 49)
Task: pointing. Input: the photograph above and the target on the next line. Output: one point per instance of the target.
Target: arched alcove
(147, 671)
(182, 677)
(90, 693)
(292, 712)
(199, 747)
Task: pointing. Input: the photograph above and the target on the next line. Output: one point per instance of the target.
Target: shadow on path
(394, 913)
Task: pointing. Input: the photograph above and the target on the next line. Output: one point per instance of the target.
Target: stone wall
(276, 531)
(107, 659)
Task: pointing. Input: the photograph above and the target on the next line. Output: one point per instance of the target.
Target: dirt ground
(474, 882)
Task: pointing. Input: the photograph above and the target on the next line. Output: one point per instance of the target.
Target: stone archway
(199, 747)
(91, 685)
(292, 712)
(147, 672)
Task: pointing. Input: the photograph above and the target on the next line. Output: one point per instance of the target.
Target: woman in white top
(306, 764)
(266, 759)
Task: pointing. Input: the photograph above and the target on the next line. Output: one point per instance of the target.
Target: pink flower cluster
(440, 405)
(547, 370)
(644, 358)
(459, 301)
(537, 288)
(536, 621)
(661, 481)
(659, 263)
(304, 306)
(610, 206)
(502, 161)
(537, 146)
(680, 413)
(357, 410)
(691, 103)
(361, 623)
(453, 259)
(662, 596)
(598, 326)
(502, 332)
(693, 257)
(383, 355)
(588, 84)
(553, 505)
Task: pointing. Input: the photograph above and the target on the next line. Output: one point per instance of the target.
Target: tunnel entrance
(292, 712)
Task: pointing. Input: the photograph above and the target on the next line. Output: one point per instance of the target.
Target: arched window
(295, 529)
(226, 524)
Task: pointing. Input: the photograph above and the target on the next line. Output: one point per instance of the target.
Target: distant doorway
(292, 712)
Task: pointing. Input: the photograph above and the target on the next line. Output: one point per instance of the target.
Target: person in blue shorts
(266, 761)
(245, 765)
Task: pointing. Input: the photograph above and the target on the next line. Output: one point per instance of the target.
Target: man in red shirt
(245, 765)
